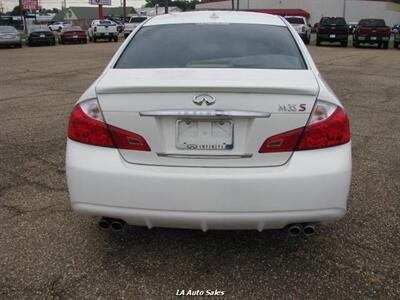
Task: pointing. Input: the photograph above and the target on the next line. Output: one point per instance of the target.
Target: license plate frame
(205, 140)
(373, 38)
(332, 36)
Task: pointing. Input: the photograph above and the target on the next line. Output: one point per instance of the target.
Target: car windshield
(333, 21)
(212, 46)
(138, 19)
(293, 20)
(372, 23)
(7, 29)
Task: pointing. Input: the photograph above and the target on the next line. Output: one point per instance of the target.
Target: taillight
(86, 125)
(328, 126)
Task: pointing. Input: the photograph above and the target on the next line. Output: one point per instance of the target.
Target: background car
(301, 26)
(58, 26)
(372, 31)
(191, 133)
(9, 36)
(118, 21)
(73, 35)
(41, 36)
(351, 26)
(333, 30)
(133, 22)
(103, 30)
(396, 42)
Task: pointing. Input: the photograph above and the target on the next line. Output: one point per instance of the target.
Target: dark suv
(333, 29)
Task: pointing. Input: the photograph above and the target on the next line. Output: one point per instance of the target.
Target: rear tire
(396, 45)
(356, 44)
(344, 43)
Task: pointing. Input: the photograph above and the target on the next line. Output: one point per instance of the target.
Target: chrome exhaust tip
(104, 223)
(295, 229)
(308, 229)
(117, 225)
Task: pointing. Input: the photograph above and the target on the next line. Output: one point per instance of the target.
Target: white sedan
(226, 124)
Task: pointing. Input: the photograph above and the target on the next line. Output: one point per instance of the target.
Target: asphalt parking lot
(48, 251)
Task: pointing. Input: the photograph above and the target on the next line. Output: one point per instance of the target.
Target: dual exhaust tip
(307, 229)
(110, 223)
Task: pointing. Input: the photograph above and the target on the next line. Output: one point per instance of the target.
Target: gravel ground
(48, 251)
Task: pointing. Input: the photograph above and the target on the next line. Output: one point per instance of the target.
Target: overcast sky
(9, 4)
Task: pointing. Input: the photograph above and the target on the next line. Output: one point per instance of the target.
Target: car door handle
(205, 113)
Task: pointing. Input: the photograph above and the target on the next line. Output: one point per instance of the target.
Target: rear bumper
(312, 187)
(327, 37)
(74, 40)
(104, 36)
(372, 40)
(10, 41)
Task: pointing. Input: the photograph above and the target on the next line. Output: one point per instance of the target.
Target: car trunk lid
(206, 117)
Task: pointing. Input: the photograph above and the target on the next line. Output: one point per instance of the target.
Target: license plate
(42, 36)
(373, 38)
(332, 36)
(75, 36)
(204, 134)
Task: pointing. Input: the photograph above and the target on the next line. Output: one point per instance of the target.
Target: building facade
(352, 10)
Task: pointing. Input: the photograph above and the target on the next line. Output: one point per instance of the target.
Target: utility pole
(21, 12)
(344, 8)
(124, 10)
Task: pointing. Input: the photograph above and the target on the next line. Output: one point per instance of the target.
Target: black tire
(396, 45)
(385, 45)
(18, 45)
(115, 38)
(356, 44)
(318, 42)
(344, 43)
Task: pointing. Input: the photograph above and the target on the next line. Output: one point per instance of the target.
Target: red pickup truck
(371, 31)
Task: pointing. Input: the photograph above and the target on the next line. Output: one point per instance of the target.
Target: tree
(182, 4)
(15, 11)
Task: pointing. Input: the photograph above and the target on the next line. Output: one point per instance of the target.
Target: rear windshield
(212, 46)
(138, 19)
(293, 20)
(7, 29)
(333, 21)
(102, 22)
(372, 23)
(73, 28)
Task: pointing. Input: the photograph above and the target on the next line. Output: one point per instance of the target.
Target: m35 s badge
(204, 98)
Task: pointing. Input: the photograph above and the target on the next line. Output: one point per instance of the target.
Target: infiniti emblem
(204, 98)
